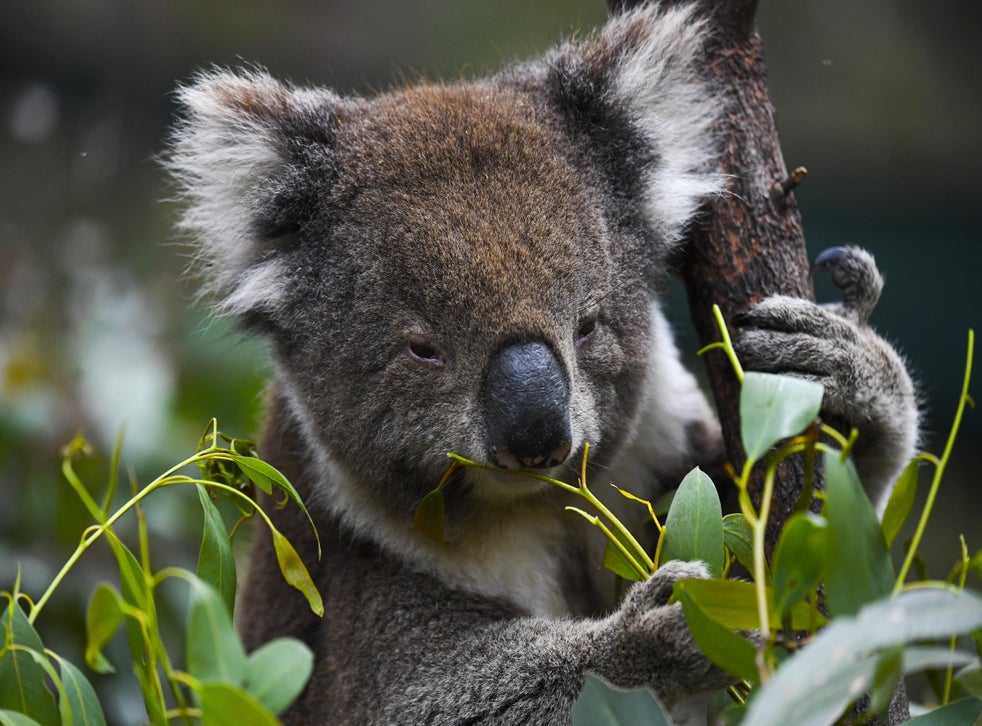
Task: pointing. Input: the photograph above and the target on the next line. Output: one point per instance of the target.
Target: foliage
(826, 620)
(220, 683)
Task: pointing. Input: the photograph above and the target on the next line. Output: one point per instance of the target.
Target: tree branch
(750, 244)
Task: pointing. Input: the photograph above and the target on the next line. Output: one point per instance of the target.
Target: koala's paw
(647, 642)
(866, 382)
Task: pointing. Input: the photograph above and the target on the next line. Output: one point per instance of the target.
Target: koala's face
(454, 287)
(462, 268)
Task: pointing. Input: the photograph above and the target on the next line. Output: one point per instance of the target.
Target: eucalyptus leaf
(694, 526)
(295, 572)
(798, 564)
(430, 517)
(214, 651)
(729, 650)
(774, 407)
(616, 562)
(816, 684)
(889, 670)
(266, 477)
(15, 718)
(216, 564)
(601, 705)
(103, 617)
(22, 686)
(900, 503)
(858, 565)
(225, 705)
(922, 657)
(970, 678)
(277, 672)
(960, 713)
(80, 706)
(733, 604)
(738, 536)
(144, 642)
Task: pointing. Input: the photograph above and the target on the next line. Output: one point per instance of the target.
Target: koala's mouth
(502, 486)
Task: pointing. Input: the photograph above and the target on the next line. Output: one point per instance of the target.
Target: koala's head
(461, 268)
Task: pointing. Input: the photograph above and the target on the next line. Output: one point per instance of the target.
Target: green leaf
(81, 705)
(225, 705)
(722, 646)
(214, 651)
(600, 704)
(262, 474)
(144, 641)
(738, 536)
(970, 678)
(431, 515)
(900, 503)
(266, 477)
(858, 563)
(733, 604)
(102, 620)
(774, 407)
(295, 572)
(216, 565)
(959, 713)
(889, 669)
(840, 662)
(798, 563)
(22, 687)
(277, 672)
(616, 562)
(694, 526)
(15, 718)
(922, 657)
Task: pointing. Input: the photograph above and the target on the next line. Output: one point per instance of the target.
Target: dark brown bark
(750, 244)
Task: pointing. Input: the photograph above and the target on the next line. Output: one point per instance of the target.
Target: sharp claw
(828, 258)
(740, 319)
(854, 272)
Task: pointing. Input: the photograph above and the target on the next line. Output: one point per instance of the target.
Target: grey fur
(389, 248)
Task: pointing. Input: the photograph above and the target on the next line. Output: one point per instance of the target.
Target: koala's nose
(526, 402)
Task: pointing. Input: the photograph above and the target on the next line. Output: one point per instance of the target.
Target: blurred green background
(880, 100)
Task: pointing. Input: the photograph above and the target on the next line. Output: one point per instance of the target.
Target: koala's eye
(425, 353)
(586, 330)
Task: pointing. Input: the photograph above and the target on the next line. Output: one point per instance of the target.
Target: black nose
(526, 402)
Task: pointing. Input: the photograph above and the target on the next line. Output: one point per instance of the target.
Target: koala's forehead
(470, 185)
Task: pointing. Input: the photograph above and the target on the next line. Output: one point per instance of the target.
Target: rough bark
(750, 243)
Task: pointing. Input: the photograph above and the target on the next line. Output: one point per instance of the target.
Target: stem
(598, 523)
(581, 491)
(938, 469)
(726, 344)
(760, 564)
(950, 672)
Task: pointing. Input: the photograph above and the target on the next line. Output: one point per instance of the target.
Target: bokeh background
(880, 100)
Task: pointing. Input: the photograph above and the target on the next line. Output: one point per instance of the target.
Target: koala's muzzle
(527, 408)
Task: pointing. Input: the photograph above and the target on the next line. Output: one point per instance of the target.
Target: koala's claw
(854, 272)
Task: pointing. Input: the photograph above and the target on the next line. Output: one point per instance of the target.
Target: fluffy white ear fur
(656, 78)
(226, 157)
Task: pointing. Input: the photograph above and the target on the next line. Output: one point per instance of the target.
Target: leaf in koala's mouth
(431, 515)
(431, 512)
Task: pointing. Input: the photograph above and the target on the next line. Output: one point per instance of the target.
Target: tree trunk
(750, 243)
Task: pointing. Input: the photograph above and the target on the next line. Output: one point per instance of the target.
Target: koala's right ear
(242, 158)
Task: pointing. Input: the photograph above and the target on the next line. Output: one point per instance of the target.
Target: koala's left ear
(240, 158)
(635, 94)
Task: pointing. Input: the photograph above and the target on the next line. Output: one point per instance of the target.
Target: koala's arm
(866, 382)
(430, 654)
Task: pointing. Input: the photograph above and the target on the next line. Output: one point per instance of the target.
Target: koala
(478, 267)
